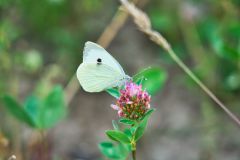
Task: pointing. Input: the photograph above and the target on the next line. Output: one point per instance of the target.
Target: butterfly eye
(99, 61)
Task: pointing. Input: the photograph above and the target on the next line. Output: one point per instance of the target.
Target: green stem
(134, 154)
(134, 145)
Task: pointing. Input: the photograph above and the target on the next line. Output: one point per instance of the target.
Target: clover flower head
(133, 102)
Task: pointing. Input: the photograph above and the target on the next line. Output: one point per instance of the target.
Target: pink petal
(148, 106)
(129, 102)
(120, 113)
(115, 107)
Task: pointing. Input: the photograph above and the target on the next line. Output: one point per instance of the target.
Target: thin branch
(134, 155)
(144, 24)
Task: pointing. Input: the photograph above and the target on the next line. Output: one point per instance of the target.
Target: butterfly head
(128, 78)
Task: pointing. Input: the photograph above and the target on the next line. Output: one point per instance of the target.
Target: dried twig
(144, 24)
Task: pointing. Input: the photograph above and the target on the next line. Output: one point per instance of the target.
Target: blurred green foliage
(41, 45)
(33, 35)
(210, 29)
(114, 151)
(36, 113)
(18, 111)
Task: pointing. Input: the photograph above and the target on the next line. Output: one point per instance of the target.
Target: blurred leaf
(220, 42)
(39, 11)
(118, 152)
(63, 38)
(223, 50)
(5, 61)
(36, 113)
(113, 92)
(5, 2)
(14, 108)
(91, 5)
(108, 149)
(207, 28)
(32, 105)
(234, 29)
(117, 136)
(160, 21)
(154, 79)
(142, 125)
(8, 33)
(53, 108)
(233, 81)
(126, 121)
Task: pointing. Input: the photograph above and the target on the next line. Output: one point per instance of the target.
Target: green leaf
(148, 113)
(108, 149)
(222, 48)
(128, 132)
(17, 110)
(126, 121)
(31, 106)
(113, 92)
(116, 152)
(232, 81)
(53, 108)
(142, 125)
(153, 79)
(140, 129)
(118, 136)
(161, 21)
(115, 125)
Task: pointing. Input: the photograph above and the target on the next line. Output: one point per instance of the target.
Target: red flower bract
(133, 102)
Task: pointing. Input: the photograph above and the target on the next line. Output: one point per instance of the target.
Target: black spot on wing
(99, 61)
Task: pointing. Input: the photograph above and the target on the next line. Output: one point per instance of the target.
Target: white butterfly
(99, 70)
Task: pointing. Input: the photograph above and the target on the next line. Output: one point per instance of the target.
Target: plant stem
(134, 155)
(134, 145)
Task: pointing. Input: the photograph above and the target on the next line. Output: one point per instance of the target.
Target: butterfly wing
(96, 78)
(93, 51)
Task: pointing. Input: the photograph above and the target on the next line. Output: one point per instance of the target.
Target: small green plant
(40, 115)
(133, 106)
(36, 113)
